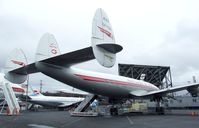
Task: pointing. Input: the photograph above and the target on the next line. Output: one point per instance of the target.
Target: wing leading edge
(166, 90)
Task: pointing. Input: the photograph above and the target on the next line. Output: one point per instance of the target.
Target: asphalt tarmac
(62, 119)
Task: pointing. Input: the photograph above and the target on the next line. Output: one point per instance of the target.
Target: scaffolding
(10, 101)
(160, 76)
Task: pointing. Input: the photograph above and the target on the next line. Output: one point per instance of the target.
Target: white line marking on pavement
(130, 121)
(39, 126)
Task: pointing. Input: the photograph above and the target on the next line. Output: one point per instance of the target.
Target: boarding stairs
(13, 105)
(80, 110)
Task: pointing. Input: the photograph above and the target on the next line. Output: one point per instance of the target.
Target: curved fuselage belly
(82, 81)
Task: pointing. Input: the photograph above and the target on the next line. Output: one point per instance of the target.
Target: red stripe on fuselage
(89, 78)
(96, 79)
(15, 89)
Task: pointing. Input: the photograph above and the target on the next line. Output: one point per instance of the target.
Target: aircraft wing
(166, 90)
(66, 59)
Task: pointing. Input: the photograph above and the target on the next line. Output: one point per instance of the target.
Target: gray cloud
(179, 50)
(15, 33)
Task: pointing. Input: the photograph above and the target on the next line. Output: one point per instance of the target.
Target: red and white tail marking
(47, 47)
(18, 62)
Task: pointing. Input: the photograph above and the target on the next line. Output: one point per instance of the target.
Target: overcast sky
(152, 32)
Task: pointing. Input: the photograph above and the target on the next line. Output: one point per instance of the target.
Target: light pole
(41, 84)
(27, 84)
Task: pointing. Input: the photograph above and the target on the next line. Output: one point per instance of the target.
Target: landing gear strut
(114, 111)
(159, 107)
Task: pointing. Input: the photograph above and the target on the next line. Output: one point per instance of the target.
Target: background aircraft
(35, 97)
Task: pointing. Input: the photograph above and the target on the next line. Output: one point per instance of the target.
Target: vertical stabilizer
(47, 47)
(101, 28)
(32, 92)
(103, 40)
(16, 59)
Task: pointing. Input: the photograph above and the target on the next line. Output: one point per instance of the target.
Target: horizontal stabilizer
(71, 58)
(64, 60)
(28, 69)
(113, 48)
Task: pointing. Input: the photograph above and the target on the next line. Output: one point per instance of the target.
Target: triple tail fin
(16, 60)
(103, 49)
(103, 40)
(47, 47)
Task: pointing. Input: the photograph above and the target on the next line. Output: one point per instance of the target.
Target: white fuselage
(54, 101)
(116, 84)
(96, 83)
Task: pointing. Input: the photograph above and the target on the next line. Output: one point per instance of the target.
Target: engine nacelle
(194, 91)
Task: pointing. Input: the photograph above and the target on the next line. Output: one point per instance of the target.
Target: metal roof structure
(157, 75)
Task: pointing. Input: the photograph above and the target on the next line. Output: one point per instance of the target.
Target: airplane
(36, 98)
(52, 63)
